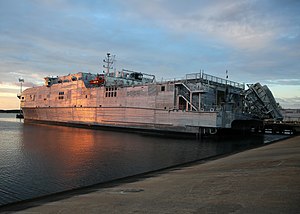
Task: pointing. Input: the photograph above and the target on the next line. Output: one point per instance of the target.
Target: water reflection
(41, 159)
(59, 147)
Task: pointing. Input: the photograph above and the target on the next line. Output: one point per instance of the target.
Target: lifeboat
(99, 80)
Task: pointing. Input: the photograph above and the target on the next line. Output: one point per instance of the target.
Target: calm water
(37, 160)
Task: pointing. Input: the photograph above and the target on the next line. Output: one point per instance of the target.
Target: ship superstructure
(127, 99)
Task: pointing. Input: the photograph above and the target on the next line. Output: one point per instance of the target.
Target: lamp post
(20, 115)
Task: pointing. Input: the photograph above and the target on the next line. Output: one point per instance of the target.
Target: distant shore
(10, 111)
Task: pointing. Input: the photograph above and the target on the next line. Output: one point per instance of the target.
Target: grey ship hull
(133, 118)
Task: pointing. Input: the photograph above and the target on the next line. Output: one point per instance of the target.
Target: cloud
(242, 24)
(257, 41)
(8, 90)
(295, 82)
(289, 103)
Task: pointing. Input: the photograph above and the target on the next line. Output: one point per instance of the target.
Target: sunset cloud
(256, 41)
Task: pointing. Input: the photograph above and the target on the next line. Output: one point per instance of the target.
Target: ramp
(260, 101)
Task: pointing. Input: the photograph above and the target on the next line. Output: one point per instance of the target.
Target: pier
(261, 180)
(282, 127)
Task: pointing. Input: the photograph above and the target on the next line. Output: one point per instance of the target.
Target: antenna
(109, 60)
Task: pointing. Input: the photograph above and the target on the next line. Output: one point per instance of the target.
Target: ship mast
(109, 60)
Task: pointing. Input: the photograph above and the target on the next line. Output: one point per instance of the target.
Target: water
(37, 160)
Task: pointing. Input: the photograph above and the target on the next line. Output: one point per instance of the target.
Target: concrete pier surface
(261, 180)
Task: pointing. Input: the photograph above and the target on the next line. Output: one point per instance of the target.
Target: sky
(256, 41)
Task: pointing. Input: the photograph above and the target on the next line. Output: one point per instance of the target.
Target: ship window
(111, 92)
(163, 88)
(86, 96)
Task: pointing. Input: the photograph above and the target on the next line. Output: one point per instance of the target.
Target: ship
(198, 103)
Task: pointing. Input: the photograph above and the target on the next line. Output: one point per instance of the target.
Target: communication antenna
(109, 60)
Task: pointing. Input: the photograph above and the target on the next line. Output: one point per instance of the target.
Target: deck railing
(207, 77)
(214, 79)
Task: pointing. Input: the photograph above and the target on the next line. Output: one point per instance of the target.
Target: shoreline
(10, 111)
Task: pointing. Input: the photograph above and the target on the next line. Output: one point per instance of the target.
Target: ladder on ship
(188, 97)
